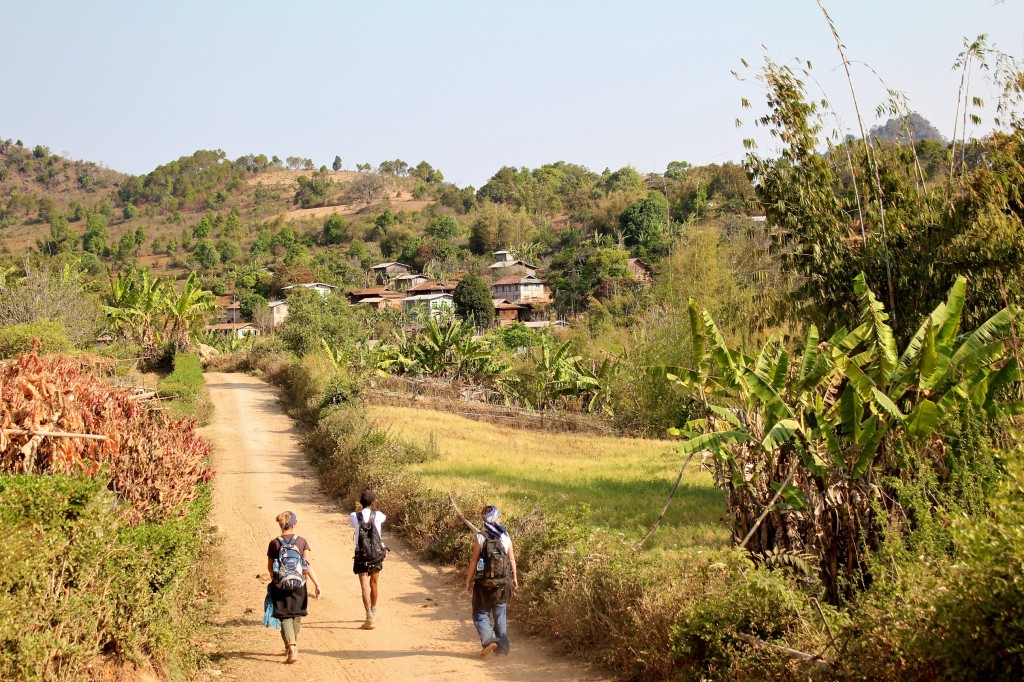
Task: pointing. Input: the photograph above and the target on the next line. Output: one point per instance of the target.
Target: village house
(505, 264)
(239, 330)
(506, 314)
(319, 287)
(278, 312)
(231, 313)
(640, 270)
(380, 298)
(435, 305)
(521, 289)
(385, 272)
(407, 281)
(432, 287)
(372, 292)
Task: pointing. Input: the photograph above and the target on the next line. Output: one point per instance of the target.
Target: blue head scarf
(292, 521)
(494, 529)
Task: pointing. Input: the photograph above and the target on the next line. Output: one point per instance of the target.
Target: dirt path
(423, 626)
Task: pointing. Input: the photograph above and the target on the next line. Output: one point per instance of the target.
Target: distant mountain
(896, 129)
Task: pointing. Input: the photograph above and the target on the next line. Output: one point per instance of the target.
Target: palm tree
(185, 312)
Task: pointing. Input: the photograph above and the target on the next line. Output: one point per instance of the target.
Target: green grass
(187, 387)
(623, 481)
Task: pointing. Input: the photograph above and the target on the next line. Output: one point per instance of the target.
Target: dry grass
(624, 481)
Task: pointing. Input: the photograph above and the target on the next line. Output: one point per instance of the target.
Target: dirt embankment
(423, 626)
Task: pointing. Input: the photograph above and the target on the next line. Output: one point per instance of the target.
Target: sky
(467, 86)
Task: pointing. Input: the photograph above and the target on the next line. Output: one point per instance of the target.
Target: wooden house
(385, 272)
(506, 314)
(521, 289)
(505, 265)
(435, 305)
(239, 330)
(278, 312)
(640, 270)
(319, 287)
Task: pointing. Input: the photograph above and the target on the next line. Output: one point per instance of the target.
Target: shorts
(360, 567)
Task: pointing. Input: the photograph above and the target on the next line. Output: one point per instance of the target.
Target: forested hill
(255, 223)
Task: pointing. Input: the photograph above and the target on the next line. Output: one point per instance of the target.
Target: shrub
(81, 584)
(980, 615)
(153, 464)
(188, 388)
(17, 339)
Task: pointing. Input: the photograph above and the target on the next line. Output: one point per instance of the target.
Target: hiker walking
(370, 552)
(491, 580)
(289, 565)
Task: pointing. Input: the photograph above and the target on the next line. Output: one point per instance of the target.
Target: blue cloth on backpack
(268, 612)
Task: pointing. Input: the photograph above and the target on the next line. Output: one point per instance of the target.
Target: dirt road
(423, 626)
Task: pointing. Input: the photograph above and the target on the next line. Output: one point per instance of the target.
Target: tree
(94, 240)
(250, 304)
(336, 230)
(626, 179)
(396, 167)
(677, 169)
(496, 226)
(473, 301)
(62, 239)
(313, 191)
(645, 223)
(185, 312)
(205, 253)
(444, 227)
(366, 189)
(337, 163)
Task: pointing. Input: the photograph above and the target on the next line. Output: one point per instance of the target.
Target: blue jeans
(498, 633)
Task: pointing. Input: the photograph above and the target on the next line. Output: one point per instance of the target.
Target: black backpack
(369, 549)
(496, 569)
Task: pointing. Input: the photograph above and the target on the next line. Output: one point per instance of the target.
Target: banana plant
(825, 421)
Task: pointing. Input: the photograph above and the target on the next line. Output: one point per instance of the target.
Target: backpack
(496, 570)
(289, 568)
(370, 549)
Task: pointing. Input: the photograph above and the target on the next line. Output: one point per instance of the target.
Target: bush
(153, 464)
(17, 339)
(979, 615)
(188, 388)
(80, 584)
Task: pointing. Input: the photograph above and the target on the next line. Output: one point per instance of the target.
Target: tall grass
(621, 482)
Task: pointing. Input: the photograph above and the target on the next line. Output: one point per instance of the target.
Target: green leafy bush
(17, 339)
(79, 584)
(186, 385)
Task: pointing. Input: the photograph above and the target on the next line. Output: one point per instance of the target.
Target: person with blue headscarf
(491, 580)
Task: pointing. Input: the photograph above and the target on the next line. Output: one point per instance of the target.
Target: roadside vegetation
(103, 569)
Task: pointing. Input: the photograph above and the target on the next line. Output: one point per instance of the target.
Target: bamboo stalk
(53, 434)
(458, 512)
(778, 494)
(791, 653)
(664, 509)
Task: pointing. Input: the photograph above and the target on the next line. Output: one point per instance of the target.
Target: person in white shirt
(368, 561)
(491, 580)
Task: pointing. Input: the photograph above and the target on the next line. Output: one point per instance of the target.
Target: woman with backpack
(289, 567)
(491, 580)
(370, 553)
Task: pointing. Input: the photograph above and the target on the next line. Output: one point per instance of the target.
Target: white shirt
(378, 521)
(506, 541)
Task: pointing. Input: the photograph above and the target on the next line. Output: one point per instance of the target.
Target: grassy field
(623, 481)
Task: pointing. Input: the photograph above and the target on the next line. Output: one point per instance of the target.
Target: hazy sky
(467, 86)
